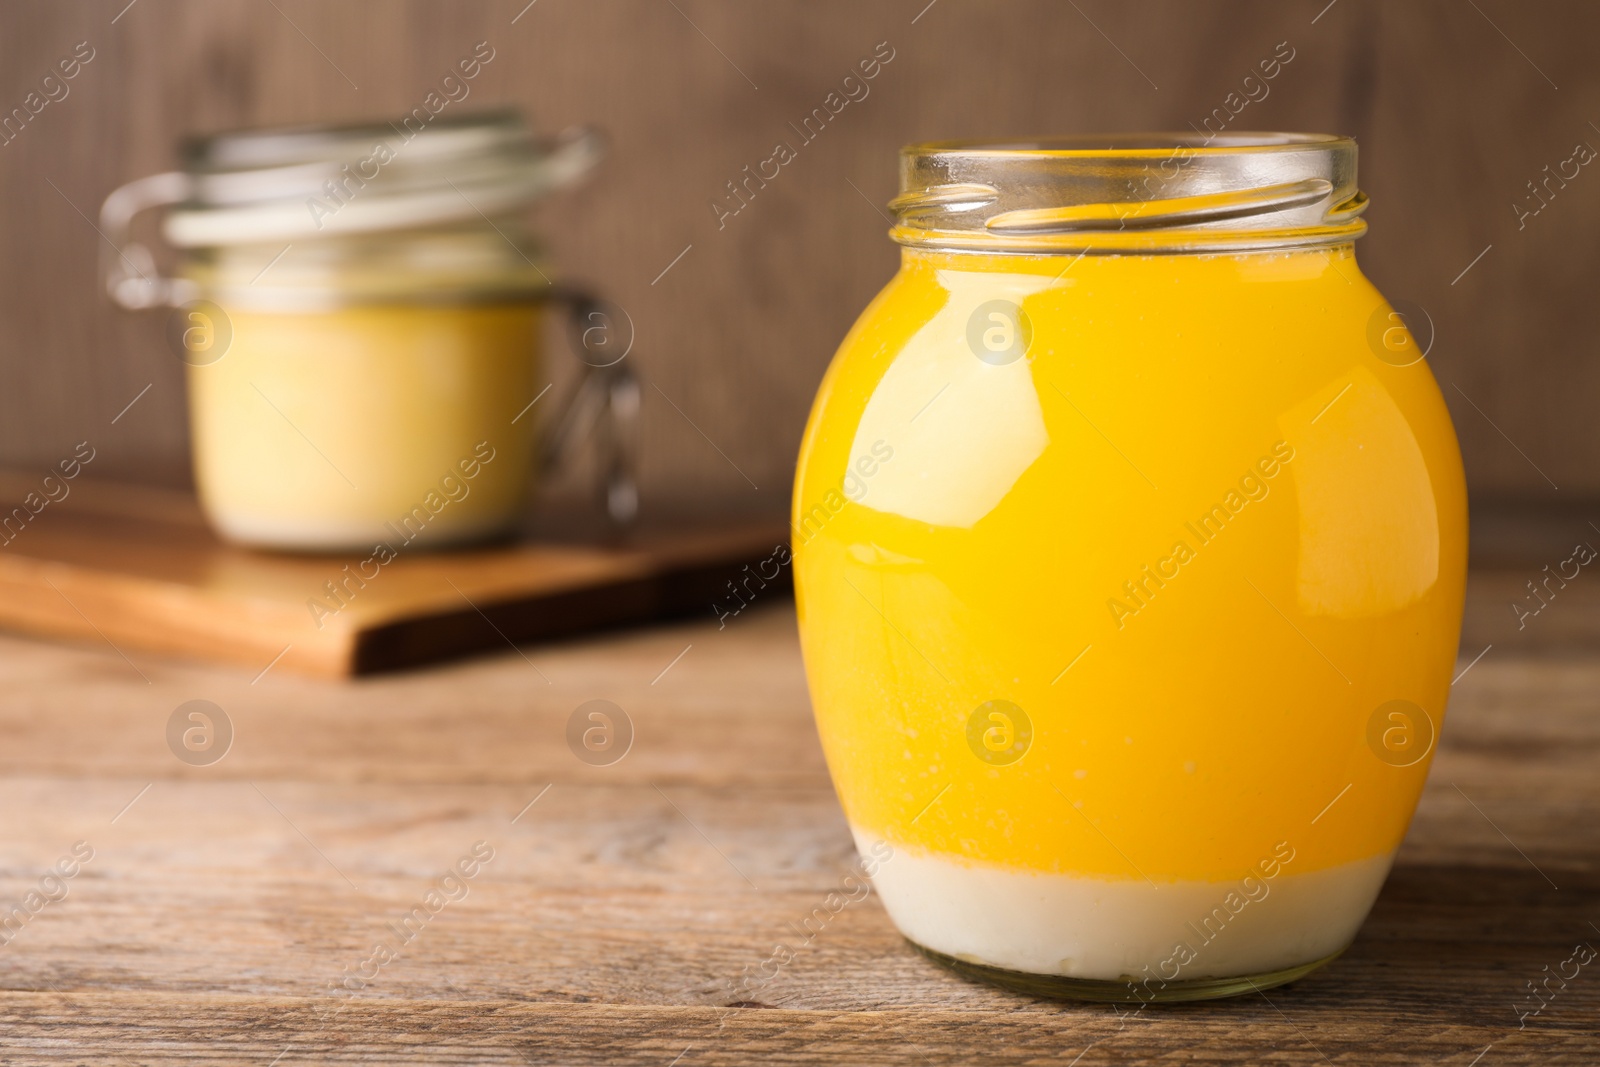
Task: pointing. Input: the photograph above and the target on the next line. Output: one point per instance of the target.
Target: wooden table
(224, 903)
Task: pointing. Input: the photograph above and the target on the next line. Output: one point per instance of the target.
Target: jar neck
(1329, 257)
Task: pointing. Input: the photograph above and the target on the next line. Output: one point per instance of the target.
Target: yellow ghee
(1190, 549)
(331, 429)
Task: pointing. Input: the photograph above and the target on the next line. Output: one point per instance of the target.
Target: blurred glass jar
(360, 309)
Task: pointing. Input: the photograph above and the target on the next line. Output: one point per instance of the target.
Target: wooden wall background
(1454, 112)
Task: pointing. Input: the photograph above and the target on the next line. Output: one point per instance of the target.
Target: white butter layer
(1110, 929)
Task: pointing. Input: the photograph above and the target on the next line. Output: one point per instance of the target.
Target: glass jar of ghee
(360, 311)
(1130, 544)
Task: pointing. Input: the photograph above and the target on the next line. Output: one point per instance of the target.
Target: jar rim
(1089, 146)
(1130, 193)
(258, 147)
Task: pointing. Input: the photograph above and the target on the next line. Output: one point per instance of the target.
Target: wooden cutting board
(138, 568)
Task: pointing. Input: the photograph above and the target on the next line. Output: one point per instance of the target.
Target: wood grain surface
(137, 566)
(224, 904)
(1457, 107)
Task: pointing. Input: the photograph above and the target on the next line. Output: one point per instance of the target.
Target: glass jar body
(1129, 590)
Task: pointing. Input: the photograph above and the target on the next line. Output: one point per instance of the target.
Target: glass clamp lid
(243, 196)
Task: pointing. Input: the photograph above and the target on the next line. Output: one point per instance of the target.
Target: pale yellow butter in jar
(318, 425)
